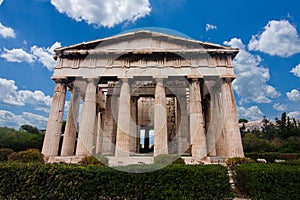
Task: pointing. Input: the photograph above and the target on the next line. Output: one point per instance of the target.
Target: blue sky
(267, 33)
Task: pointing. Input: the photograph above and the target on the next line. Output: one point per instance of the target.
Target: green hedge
(34, 181)
(272, 156)
(269, 181)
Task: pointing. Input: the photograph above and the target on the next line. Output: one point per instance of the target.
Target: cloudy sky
(266, 32)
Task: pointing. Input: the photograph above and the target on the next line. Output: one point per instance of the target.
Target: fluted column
(99, 141)
(87, 123)
(160, 120)
(108, 130)
(146, 139)
(68, 145)
(197, 131)
(53, 131)
(124, 117)
(133, 125)
(231, 129)
(183, 129)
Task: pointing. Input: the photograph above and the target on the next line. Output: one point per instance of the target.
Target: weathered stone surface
(68, 145)
(109, 127)
(231, 128)
(160, 120)
(183, 126)
(197, 131)
(124, 117)
(53, 131)
(86, 133)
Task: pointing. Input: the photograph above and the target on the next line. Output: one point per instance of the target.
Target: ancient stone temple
(144, 92)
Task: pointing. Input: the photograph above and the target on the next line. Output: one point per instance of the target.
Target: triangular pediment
(146, 41)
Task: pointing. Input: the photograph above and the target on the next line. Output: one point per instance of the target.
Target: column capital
(62, 80)
(227, 78)
(92, 80)
(194, 79)
(125, 80)
(160, 80)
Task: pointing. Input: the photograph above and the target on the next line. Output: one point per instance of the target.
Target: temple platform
(114, 161)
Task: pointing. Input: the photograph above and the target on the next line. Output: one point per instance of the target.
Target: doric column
(146, 139)
(88, 120)
(183, 125)
(133, 125)
(124, 117)
(231, 129)
(108, 132)
(99, 141)
(68, 145)
(160, 120)
(197, 131)
(53, 131)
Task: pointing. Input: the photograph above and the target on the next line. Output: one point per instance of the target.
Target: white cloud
(279, 107)
(10, 94)
(104, 13)
(1, 1)
(294, 114)
(251, 78)
(278, 38)
(10, 119)
(44, 55)
(35, 120)
(293, 95)
(210, 27)
(252, 113)
(296, 71)
(17, 55)
(40, 54)
(6, 32)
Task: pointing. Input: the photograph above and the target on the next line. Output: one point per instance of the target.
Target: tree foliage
(29, 129)
(20, 140)
(283, 135)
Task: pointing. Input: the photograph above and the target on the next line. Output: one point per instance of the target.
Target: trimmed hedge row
(269, 181)
(272, 156)
(37, 181)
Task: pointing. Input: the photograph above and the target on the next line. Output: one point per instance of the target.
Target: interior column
(183, 128)
(99, 141)
(68, 145)
(53, 131)
(197, 131)
(146, 139)
(124, 117)
(160, 119)
(108, 132)
(133, 125)
(88, 120)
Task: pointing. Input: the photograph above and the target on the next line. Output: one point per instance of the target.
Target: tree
(242, 120)
(29, 129)
(19, 140)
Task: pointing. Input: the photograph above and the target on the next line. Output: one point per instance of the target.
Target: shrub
(4, 153)
(94, 160)
(271, 181)
(232, 162)
(272, 156)
(30, 155)
(167, 159)
(28, 181)
(289, 156)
